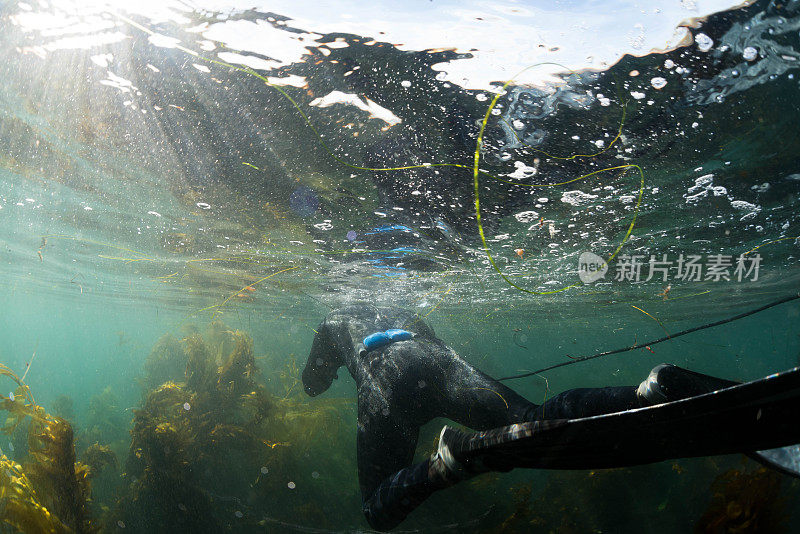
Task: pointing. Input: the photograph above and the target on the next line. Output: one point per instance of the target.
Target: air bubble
(187, 406)
(658, 82)
(704, 42)
(749, 53)
(291, 485)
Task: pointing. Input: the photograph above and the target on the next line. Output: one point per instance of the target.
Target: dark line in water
(659, 340)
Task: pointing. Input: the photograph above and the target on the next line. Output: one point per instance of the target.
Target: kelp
(51, 491)
(63, 407)
(104, 421)
(20, 404)
(166, 361)
(745, 501)
(214, 441)
(19, 503)
(62, 482)
(98, 457)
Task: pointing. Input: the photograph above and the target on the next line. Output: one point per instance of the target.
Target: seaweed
(213, 443)
(745, 501)
(63, 407)
(20, 504)
(97, 457)
(62, 482)
(104, 419)
(166, 361)
(51, 491)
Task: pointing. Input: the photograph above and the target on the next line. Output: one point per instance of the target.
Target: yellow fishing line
(653, 318)
(476, 188)
(100, 243)
(769, 243)
(244, 289)
(692, 295)
(496, 393)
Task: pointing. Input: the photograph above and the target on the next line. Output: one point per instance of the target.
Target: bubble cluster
(658, 82)
(704, 42)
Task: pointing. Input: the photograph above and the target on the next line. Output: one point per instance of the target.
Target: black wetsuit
(404, 385)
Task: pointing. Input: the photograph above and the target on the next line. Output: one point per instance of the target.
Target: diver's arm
(323, 361)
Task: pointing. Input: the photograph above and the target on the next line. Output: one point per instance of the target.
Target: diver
(405, 376)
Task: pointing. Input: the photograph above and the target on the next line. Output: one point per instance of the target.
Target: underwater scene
(200, 200)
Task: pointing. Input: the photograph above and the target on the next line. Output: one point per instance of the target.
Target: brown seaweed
(166, 362)
(215, 439)
(745, 501)
(21, 509)
(51, 491)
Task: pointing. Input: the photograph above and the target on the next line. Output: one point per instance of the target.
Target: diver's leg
(476, 400)
(761, 414)
(518, 445)
(390, 489)
(400, 494)
(586, 402)
(665, 383)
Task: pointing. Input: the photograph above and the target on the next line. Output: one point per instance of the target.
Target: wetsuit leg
(586, 402)
(389, 489)
(478, 401)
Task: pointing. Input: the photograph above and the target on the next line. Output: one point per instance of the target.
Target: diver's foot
(667, 382)
(445, 466)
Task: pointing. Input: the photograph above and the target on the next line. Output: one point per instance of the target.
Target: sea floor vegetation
(211, 448)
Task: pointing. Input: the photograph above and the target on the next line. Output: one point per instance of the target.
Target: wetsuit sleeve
(323, 360)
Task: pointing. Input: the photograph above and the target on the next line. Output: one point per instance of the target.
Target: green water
(146, 191)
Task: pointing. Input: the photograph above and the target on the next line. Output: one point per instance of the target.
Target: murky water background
(151, 182)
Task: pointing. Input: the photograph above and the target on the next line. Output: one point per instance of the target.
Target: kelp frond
(20, 505)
